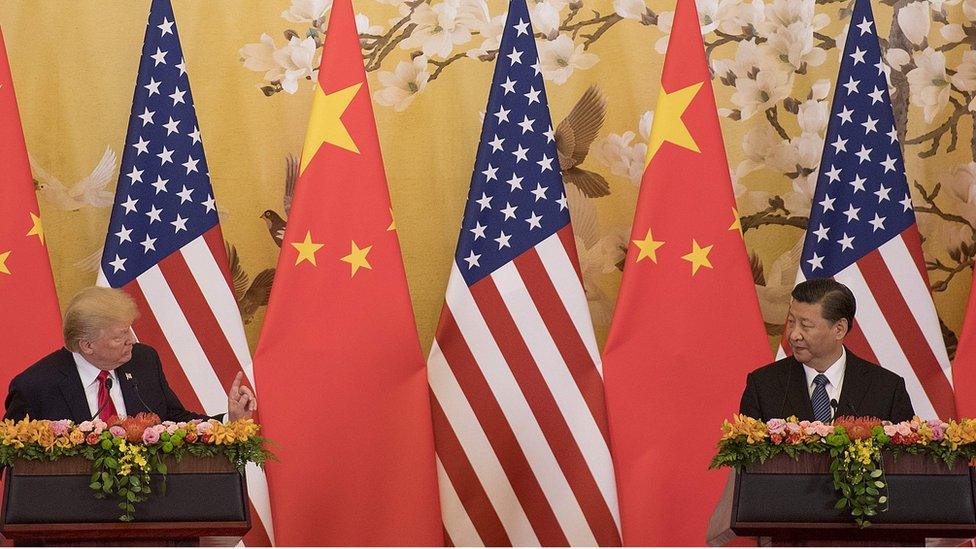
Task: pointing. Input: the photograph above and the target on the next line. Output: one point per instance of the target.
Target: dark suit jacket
(52, 389)
(779, 390)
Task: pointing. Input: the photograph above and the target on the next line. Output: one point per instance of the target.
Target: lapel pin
(128, 375)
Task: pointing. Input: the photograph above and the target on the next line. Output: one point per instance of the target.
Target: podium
(787, 502)
(50, 503)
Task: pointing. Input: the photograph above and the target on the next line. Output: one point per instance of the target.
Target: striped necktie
(821, 401)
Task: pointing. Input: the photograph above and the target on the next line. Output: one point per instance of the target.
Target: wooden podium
(50, 503)
(786, 502)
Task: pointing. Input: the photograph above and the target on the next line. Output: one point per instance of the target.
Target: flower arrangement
(855, 445)
(125, 451)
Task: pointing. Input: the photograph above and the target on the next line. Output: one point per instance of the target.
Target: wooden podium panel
(205, 502)
(791, 502)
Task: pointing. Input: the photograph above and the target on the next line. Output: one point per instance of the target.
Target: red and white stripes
(188, 313)
(519, 419)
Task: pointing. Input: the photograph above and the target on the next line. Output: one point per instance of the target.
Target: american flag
(164, 246)
(519, 417)
(862, 229)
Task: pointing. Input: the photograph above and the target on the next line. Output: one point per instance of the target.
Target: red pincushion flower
(858, 428)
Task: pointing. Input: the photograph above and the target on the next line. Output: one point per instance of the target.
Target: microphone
(834, 404)
(135, 385)
(108, 389)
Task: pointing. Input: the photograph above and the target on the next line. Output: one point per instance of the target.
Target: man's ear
(843, 327)
(85, 346)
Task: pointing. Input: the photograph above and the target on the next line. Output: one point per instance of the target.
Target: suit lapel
(71, 388)
(797, 394)
(132, 404)
(856, 385)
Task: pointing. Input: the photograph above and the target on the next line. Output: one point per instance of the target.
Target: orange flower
(858, 428)
(76, 437)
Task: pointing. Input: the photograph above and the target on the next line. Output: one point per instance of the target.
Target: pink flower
(86, 426)
(60, 426)
(204, 428)
(793, 428)
(150, 436)
(117, 431)
(99, 426)
(171, 428)
(822, 429)
(890, 430)
(904, 429)
(938, 429)
(776, 426)
(159, 429)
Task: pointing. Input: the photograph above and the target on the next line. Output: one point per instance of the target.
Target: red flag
(31, 319)
(343, 382)
(687, 327)
(964, 364)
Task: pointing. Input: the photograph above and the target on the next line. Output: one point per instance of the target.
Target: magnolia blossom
(403, 84)
(623, 157)
(960, 182)
(297, 61)
(545, 18)
(793, 44)
(770, 86)
(363, 26)
(915, 22)
(560, 57)
(631, 9)
(491, 31)
(439, 28)
(897, 58)
(749, 56)
(260, 57)
(969, 9)
(306, 11)
(928, 83)
(965, 77)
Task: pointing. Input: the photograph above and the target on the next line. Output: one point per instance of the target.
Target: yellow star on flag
(306, 249)
(325, 124)
(3, 262)
(648, 247)
(698, 257)
(37, 229)
(357, 258)
(392, 226)
(736, 221)
(667, 125)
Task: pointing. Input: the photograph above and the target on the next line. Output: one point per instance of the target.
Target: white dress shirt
(89, 380)
(835, 377)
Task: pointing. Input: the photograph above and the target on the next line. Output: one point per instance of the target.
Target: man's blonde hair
(94, 309)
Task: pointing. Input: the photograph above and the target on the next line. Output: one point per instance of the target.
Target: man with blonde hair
(102, 371)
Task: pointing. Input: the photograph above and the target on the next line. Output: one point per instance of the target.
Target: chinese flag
(964, 365)
(687, 327)
(30, 319)
(343, 383)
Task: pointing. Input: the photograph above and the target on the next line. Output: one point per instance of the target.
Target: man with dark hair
(823, 379)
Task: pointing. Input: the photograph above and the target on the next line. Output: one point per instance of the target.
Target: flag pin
(128, 375)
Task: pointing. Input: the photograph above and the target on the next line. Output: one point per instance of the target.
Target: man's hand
(241, 402)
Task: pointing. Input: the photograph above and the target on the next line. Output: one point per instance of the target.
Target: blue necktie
(821, 401)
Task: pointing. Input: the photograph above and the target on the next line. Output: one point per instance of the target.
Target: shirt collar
(88, 371)
(834, 373)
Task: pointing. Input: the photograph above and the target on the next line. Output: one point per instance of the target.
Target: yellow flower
(76, 437)
(753, 429)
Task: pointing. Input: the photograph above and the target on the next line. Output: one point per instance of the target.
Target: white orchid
(622, 156)
(928, 82)
(402, 84)
(297, 61)
(915, 21)
(439, 28)
(306, 11)
(560, 57)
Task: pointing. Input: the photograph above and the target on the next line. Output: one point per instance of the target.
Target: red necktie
(105, 404)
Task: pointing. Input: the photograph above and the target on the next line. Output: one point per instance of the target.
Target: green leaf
(876, 473)
(879, 484)
(95, 486)
(134, 481)
(109, 482)
(883, 499)
(857, 512)
(131, 496)
(841, 503)
(161, 468)
(111, 463)
(872, 491)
